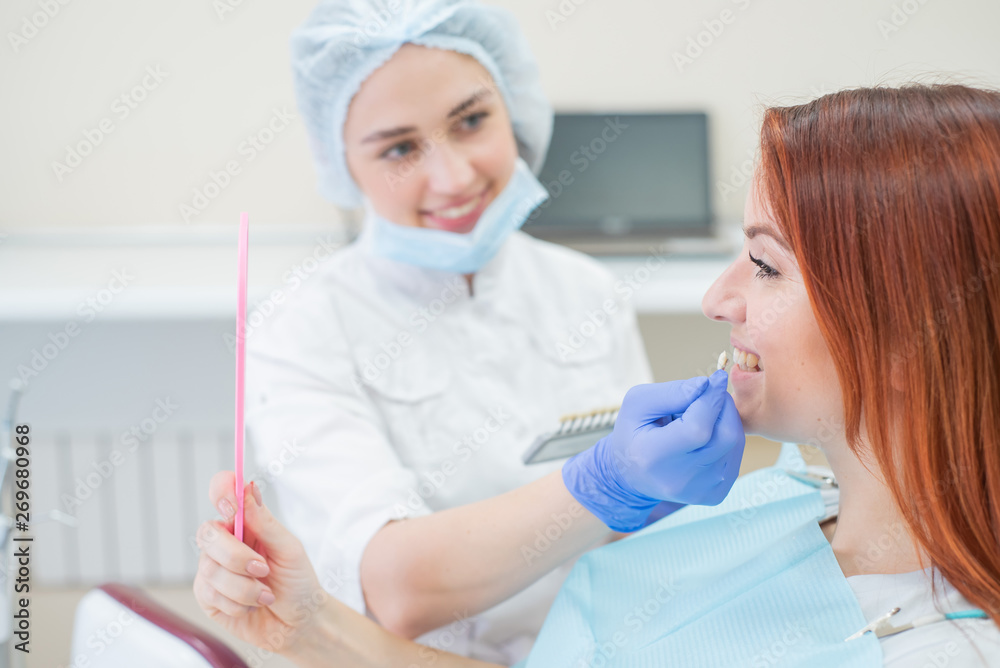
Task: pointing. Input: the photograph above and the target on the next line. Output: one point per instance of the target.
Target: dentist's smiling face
(428, 139)
(793, 394)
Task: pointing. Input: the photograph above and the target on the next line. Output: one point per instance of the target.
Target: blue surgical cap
(343, 41)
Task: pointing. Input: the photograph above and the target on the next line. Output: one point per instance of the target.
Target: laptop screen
(609, 175)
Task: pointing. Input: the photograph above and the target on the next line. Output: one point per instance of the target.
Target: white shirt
(383, 390)
(967, 643)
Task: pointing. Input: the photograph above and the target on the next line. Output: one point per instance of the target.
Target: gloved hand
(679, 442)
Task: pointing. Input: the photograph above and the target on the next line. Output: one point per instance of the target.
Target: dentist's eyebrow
(481, 94)
(387, 134)
(478, 96)
(753, 230)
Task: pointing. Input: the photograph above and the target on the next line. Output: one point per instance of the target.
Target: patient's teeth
(745, 360)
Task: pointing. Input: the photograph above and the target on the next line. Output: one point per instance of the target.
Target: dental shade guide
(578, 432)
(574, 434)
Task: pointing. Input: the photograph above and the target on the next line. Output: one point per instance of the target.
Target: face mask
(454, 252)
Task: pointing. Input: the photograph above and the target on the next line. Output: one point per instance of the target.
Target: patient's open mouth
(746, 361)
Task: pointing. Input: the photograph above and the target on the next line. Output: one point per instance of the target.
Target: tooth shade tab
(723, 361)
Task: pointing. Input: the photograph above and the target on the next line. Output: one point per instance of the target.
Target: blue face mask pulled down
(460, 253)
(750, 582)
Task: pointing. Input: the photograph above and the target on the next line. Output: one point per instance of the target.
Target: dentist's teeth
(459, 211)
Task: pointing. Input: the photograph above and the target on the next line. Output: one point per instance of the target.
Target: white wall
(226, 71)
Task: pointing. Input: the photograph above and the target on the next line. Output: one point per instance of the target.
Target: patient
(869, 290)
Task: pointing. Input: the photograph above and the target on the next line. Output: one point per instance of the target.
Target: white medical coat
(382, 390)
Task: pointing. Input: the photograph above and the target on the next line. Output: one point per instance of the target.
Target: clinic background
(168, 95)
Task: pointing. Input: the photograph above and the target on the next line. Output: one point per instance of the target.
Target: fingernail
(256, 494)
(256, 568)
(265, 598)
(225, 508)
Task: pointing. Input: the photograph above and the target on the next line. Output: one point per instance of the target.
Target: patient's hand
(264, 590)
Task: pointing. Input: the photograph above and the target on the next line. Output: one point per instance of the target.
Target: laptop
(620, 183)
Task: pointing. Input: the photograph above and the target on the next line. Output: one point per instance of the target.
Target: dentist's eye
(474, 121)
(766, 271)
(396, 151)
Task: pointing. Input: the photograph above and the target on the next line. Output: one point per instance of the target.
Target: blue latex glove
(680, 442)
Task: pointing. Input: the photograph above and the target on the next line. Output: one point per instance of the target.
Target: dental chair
(118, 626)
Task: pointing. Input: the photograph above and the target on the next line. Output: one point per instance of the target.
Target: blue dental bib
(750, 582)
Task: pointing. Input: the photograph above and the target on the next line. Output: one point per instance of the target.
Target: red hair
(890, 199)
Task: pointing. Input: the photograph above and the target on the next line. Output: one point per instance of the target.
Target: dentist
(390, 401)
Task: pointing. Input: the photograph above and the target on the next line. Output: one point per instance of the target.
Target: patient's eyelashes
(766, 271)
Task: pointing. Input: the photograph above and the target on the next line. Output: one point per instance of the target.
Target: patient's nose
(724, 299)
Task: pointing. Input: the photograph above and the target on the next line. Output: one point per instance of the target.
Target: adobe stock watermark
(896, 538)
(275, 467)
(273, 641)
(583, 332)
(712, 30)
(60, 339)
(595, 319)
(281, 635)
(372, 368)
(406, 166)
(140, 432)
(445, 639)
(792, 634)
(634, 621)
(581, 158)
(103, 638)
(741, 174)
(294, 278)
(889, 543)
(290, 451)
(624, 289)
(376, 23)
(562, 12)
(225, 7)
(899, 17)
(121, 107)
(547, 537)
(782, 302)
(251, 147)
(33, 24)
(765, 492)
(941, 658)
(956, 298)
(463, 450)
